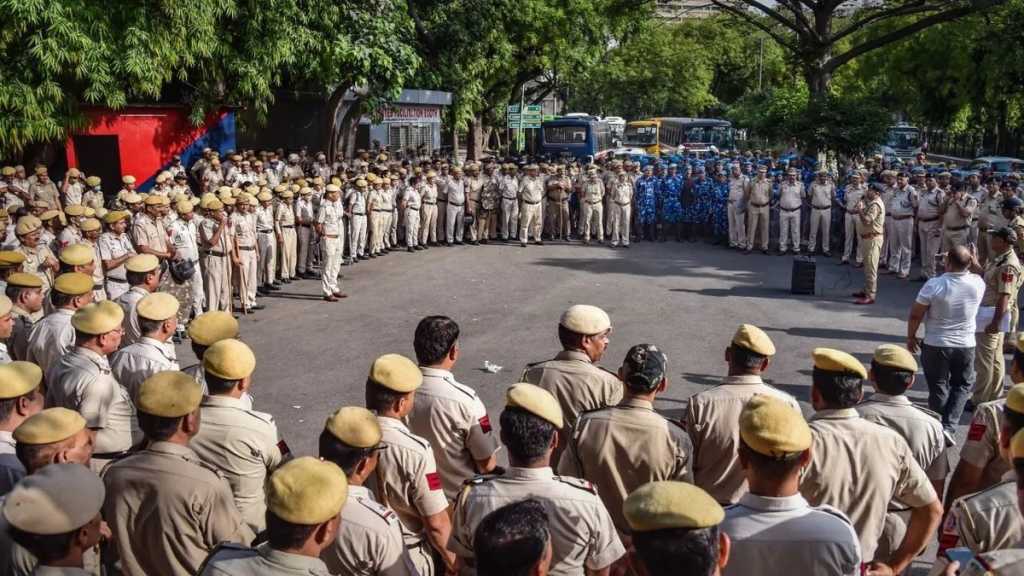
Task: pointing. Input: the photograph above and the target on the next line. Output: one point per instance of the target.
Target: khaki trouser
(217, 280)
(757, 222)
(385, 229)
(304, 239)
(483, 224)
(821, 219)
(332, 250)
(509, 217)
(930, 237)
(376, 232)
(247, 274)
(886, 241)
(953, 238)
(116, 289)
(428, 224)
(893, 532)
(267, 245)
(737, 225)
(454, 223)
(558, 219)
(789, 229)
(871, 251)
(592, 220)
(901, 247)
(620, 223)
(530, 219)
(288, 252)
(412, 226)
(422, 559)
(442, 217)
(850, 230)
(989, 366)
(357, 240)
(393, 232)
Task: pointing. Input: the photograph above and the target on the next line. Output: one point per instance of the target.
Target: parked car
(1000, 165)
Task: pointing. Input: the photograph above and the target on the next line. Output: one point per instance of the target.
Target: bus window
(640, 135)
(565, 134)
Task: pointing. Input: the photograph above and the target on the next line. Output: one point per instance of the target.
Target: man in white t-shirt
(948, 305)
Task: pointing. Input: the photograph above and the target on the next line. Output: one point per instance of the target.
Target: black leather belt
(216, 254)
(429, 203)
(264, 231)
(456, 205)
(758, 205)
(247, 248)
(789, 209)
(117, 280)
(958, 228)
(97, 286)
(111, 455)
(592, 203)
(927, 219)
(531, 203)
(822, 207)
(901, 217)
(287, 226)
(411, 208)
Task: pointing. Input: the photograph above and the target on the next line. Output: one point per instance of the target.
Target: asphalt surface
(687, 298)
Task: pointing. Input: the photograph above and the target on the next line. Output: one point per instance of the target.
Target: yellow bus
(642, 134)
(698, 136)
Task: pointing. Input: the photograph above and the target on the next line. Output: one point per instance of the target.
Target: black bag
(182, 270)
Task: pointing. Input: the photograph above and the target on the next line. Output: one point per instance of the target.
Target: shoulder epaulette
(608, 371)
(236, 550)
(379, 509)
(462, 388)
(577, 483)
(834, 512)
(983, 491)
(480, 479)
(423, 443)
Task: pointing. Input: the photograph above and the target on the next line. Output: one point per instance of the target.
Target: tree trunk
(455, 142)
(488, 132)
(348, 126)
(334, 104)
(473, 138)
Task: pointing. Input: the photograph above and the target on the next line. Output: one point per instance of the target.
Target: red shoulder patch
(433, 481)
(947, 541)
(283, 447)
(1007, 277)
(976, 432)
(485, 424)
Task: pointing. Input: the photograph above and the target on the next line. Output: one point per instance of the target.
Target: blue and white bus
(580, 137)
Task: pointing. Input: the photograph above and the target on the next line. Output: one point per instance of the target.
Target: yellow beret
(142, 263)
(896, 357)
(307, 491)
(280, 188)
(74, 210)
(265, 197)
(5, 305)
(116, 216)
(213, 327)
(1017, 445)
(357, 427)
(7, 171)
(24, 280)
(332, 188)
(58, 499)
(772, 427)
(664, 505)
(1015, 398)
(361, 183)
(77, 255)
(287, 194)
(50, 215)
(169, 394)
(29, 371)
(27, 225)
(838, 361)
(98, 318)
(305, 191)
(11, 258)
(536, 401)
(157, 306)
(754, 339)
(40, 170)
(215, 205)
(229, 359)
(183, 207)
(162, 177)
(132, 198)
(319, 181)
(90, 225)
(49, 426)
(585, 319)
(73, 284)
(396, 372)
(128, 179)
(228, 201)
(93, 181)
(13, 383)
(154, 200)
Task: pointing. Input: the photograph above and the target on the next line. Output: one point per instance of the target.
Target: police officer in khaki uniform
(1003, 278)
(154, 351)
(774, 531)
(143, 273)
(758, 196)
(217, 247)
(592, 192)
(407, 480)
(531, 217)
(871, 214)
(205, 331)
(573, 376)
(583, 536)
(622, 447)
(167, 509)
(449, 414)
(53, 336)
(957, 212)
(860, 467)
(712, 416)
(927, 206)
(369, 541)
(303, 497)
(892, 374)
(241, 443)
(20, 398)
(26, 294)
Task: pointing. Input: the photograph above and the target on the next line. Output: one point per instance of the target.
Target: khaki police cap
(318, 181)
(334, 188)
(10, 258)
(128, 179)
(73, 284)
(585, 319)
(229, 201)
(98, 318)
(184, 207)
(213, 327)
(396, 372)
(224, 191)
(214, 205)
(24, 280)
(536, 401)
(772, 427)
(306, 191)
(74, 210)
(58, 499)
(1017, 445)
(229, 359)
(355, 426)
(665, 505)
(157, 306)
(116, 216)
(754, 339)
(5, 305)
(77, 255)
(265, 197)
(169, 394)
(307, 491)
(50, 215)
(1015, 398)
(13, 383)
(142, 263)
(40, 170)
(30, 371)
(90, 225)
(287, 194)
(154, 200)
(49, 426)
(896, 357)
(132, 198)
(361, 183)
(7, 171)
(27, 225)
(833, 360)
(93, 181)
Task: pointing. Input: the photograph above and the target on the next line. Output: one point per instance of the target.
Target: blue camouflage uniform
(647, 199)
(719, 210)
(671, 203)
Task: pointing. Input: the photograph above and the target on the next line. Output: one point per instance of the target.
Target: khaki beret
(224, 191)
(142, 263)
(666, 505)
(896, 357)
(305, 191)
(833, 360)
(265, 197)
(319, 181)
(355, 426)
(5, 305)
(30, 371)
(93, 181)
(49, 426)
(585, 319)
(27, 225)
(772, 427)
(183, 207)
(74, 210)
(536, 401)
(1015, 398)
(157, 306)
(58, 499)
(229, 359)
(287, 194)
(40, 170)
(154, 200)
(361, 183)
(395, 372)
(307, 491)
(13, 383)
(24, 280)
(77, 255)
(169, 394)
(11, 258)
(73, 284)
(132, 198)
(228, 201)
(162, 177)
(1017, 445)
(98, 318)
(213, 327)
(128, 179)
(90, 225)
(116, 216)
(7, 171)
(50, 215)
(754, 339)
(215, 205)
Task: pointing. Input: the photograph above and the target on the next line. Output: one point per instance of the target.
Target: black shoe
(410, 249)
(459, 242)
(540, 242)
(261, 291)
(257, 307)
(373, 255)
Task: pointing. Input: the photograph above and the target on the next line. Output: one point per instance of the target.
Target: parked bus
(670, 135)
(580, 137)
(902, 141)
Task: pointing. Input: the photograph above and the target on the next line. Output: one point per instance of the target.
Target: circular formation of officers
(113, 461)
